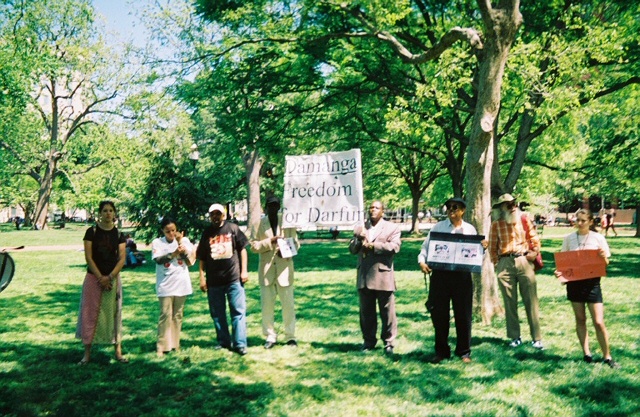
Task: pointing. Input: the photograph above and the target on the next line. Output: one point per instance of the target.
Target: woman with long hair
(587, 293)
(100, 318)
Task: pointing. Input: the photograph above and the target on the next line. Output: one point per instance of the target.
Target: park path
(77, 248)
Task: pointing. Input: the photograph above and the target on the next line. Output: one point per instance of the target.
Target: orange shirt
(506, 238)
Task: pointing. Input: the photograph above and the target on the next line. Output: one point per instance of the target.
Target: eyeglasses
(454, 207)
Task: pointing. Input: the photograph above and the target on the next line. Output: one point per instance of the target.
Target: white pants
(268, 299)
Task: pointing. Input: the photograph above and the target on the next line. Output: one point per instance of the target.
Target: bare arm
(203, 281)
(244, 275)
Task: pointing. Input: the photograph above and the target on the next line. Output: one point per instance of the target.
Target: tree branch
(454, 35)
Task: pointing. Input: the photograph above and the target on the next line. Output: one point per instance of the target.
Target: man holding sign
(275, 272)
(587, 290)
(376, 243)
(448, 287)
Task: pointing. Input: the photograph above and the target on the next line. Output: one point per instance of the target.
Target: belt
(512, 255)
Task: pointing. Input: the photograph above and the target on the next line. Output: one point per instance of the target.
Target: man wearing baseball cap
(223, 257)
(450, 288)
(513, 250)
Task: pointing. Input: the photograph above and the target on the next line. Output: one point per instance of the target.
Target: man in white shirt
(450, 287)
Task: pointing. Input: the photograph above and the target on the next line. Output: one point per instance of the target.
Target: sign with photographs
(455, 252)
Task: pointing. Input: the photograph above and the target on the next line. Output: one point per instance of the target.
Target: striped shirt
(506, 238)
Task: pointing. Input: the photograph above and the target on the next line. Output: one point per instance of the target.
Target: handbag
(537, 263)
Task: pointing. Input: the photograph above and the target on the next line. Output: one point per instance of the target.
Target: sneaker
(588, 358)
(241, 350)
(515, 343)
(292, 343)
(388, 350)
(537, 344)
(268, 344)
(612, 364)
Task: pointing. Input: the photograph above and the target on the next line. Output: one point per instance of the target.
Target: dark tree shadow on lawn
(609, 395)
(47, 381)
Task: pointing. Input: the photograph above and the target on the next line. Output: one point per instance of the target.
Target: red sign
(580, 264)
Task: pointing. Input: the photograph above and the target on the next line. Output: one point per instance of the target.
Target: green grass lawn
(326, 375)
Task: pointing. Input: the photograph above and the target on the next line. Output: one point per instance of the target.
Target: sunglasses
(454, 207)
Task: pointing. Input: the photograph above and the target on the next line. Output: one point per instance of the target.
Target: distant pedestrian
(587, 292)
(610, 220)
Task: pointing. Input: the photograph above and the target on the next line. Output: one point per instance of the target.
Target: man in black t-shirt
(223, 258)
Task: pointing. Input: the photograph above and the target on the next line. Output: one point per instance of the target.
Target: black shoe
(588, 358)
(241, 351)
(269, 345)
(219, 347)
(367, 348)
(612, 364)
(388, 350)
(438, 358)
(292, 342)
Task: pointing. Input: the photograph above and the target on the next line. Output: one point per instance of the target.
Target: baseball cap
(217, 207)
(456, 200)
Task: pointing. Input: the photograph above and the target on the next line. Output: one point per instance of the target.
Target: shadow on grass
(47, 381)
(607, 396)
(324, 376)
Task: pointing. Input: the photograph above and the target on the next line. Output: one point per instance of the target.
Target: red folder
(581, 264)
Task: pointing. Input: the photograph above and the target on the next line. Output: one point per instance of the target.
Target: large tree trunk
(253, 164)
(501, 25)
(415, 208)
(41, 212)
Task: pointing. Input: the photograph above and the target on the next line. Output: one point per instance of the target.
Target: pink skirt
(100, 316)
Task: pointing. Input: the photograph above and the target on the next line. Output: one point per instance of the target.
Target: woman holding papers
(587, 291)
(276, 246)
(173, 254)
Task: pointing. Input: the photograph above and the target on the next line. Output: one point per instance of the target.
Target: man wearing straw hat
(512, 251)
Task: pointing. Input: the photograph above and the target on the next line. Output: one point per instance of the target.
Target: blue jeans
(234, 293)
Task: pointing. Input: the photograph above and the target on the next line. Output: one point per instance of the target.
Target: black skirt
(584, 291)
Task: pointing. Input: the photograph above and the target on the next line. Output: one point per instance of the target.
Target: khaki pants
(268, 296)
(170, 323)
(514, 272)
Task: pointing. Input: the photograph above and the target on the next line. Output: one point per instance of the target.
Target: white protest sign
(323, 190)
